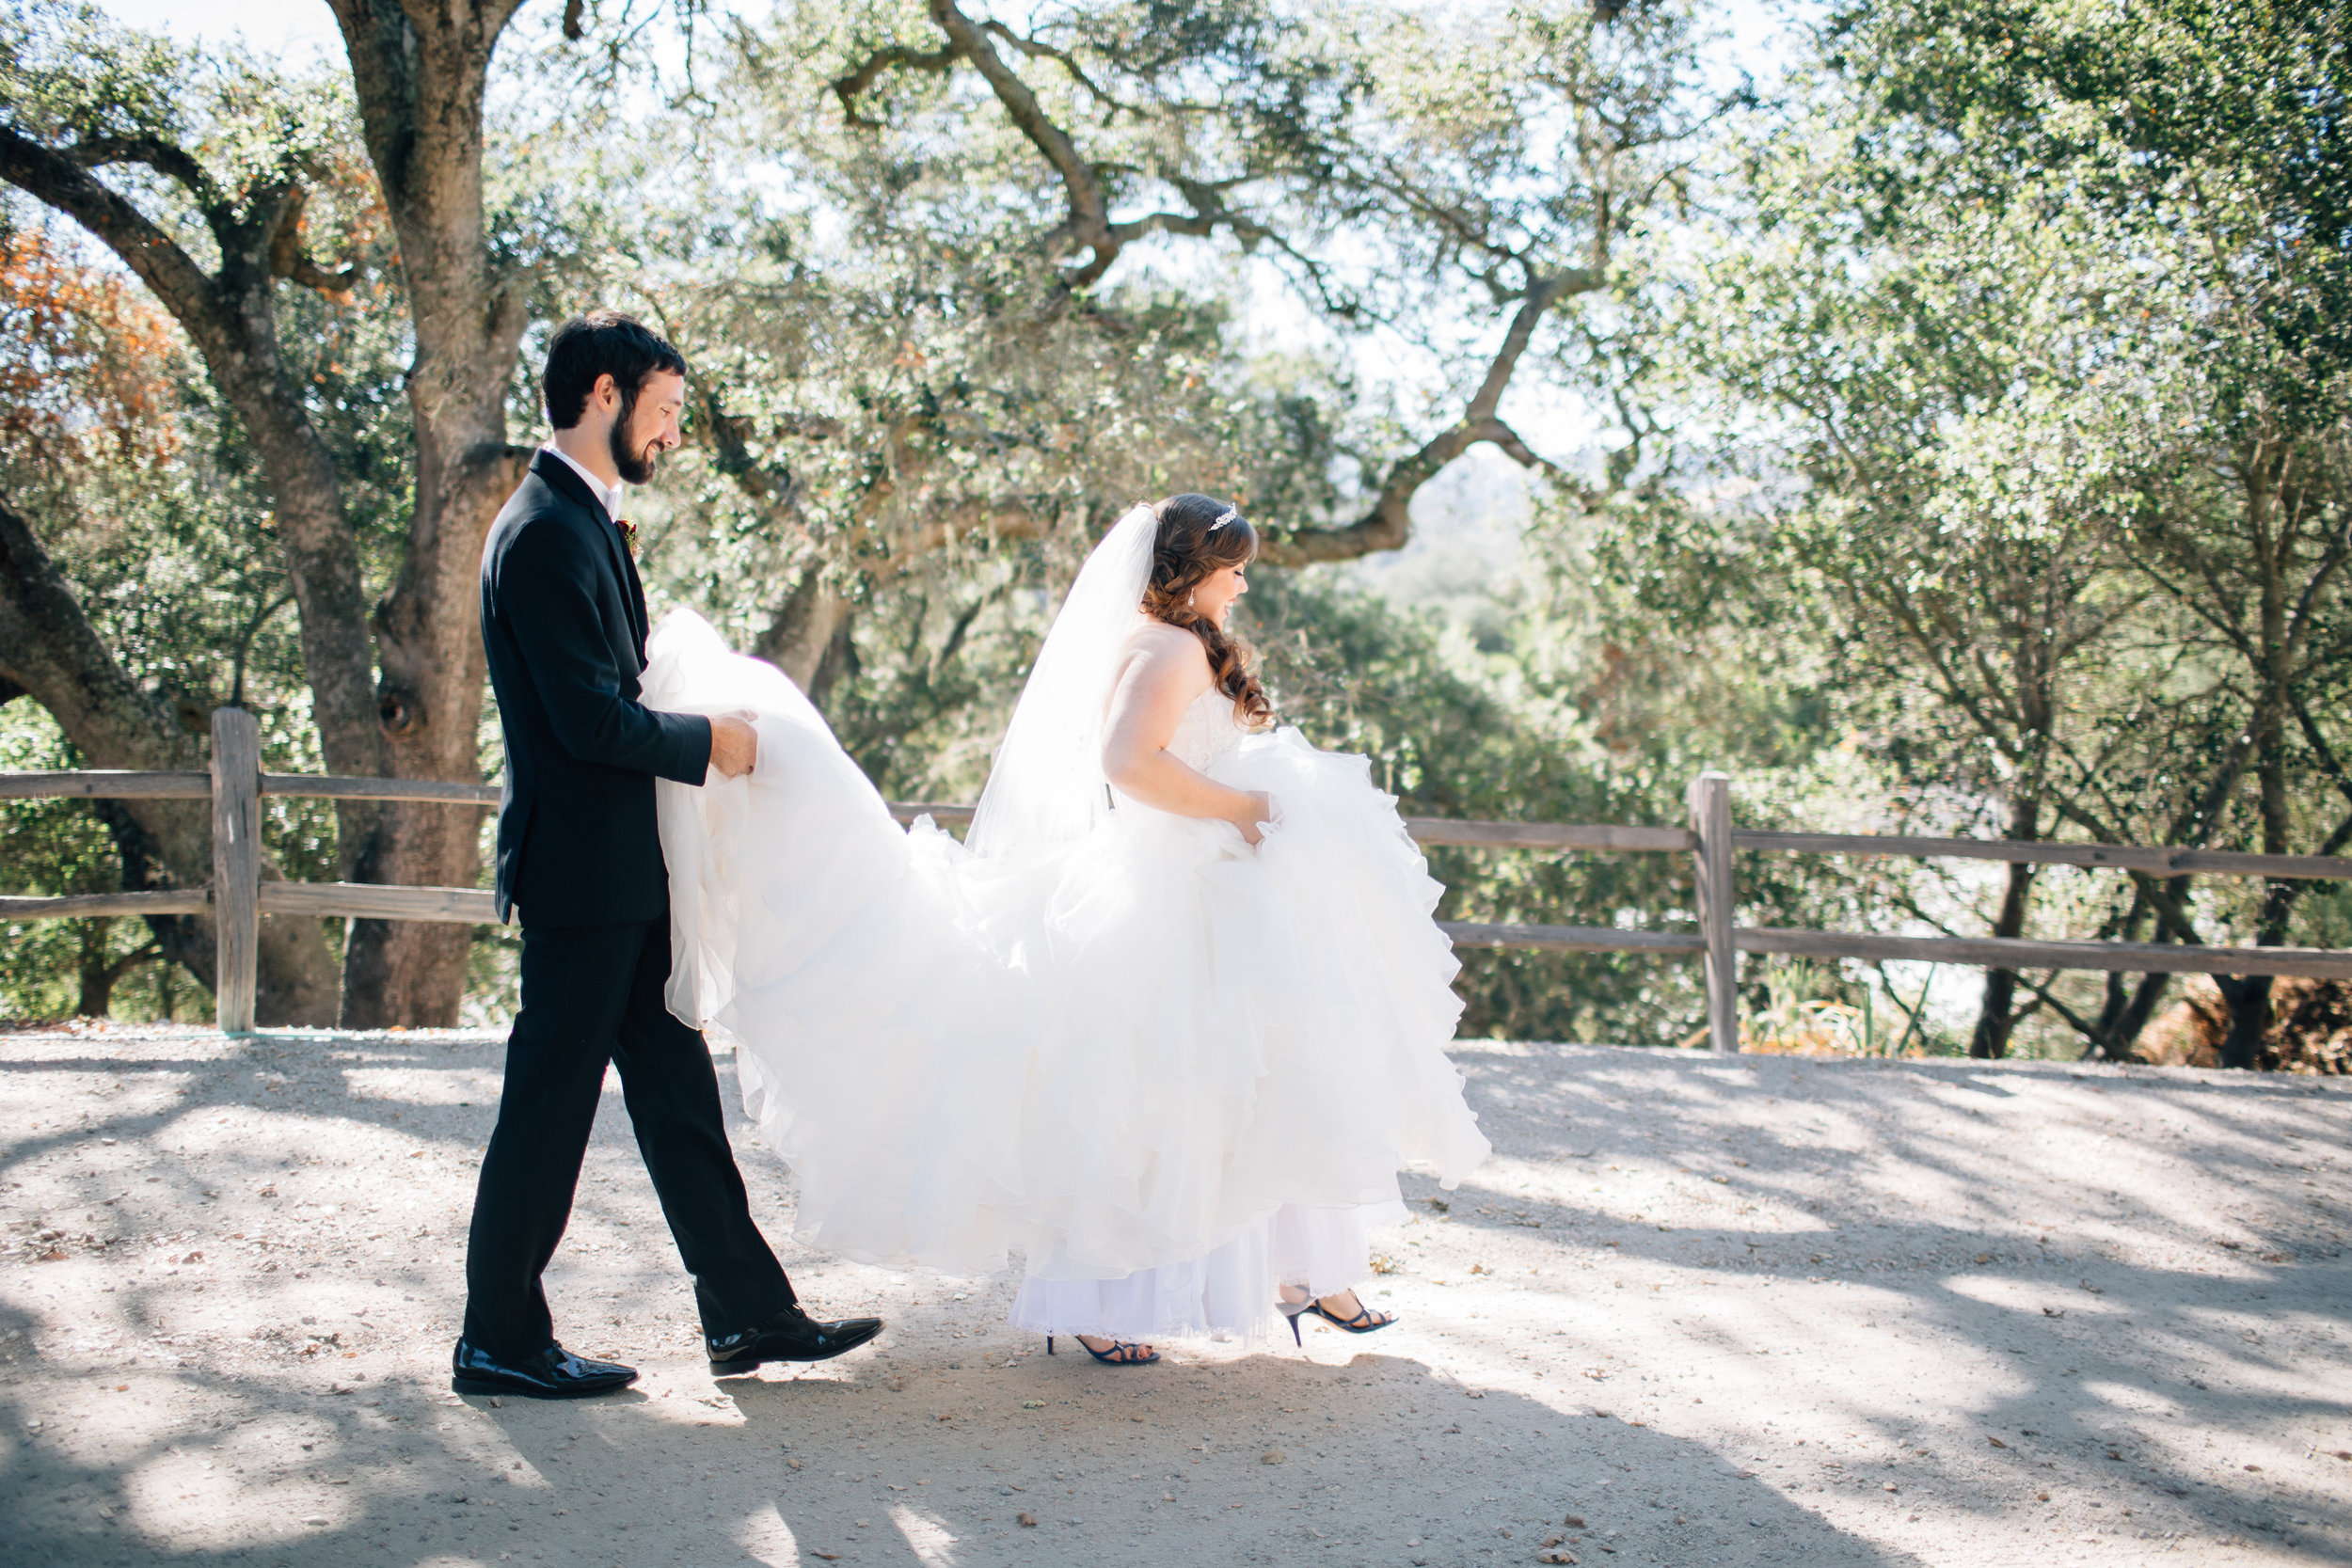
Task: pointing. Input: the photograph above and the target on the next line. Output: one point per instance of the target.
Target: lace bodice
(1206, 732)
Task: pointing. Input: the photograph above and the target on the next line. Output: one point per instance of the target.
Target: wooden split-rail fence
(238, 894)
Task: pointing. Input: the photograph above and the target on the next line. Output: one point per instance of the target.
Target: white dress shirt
(609, 498)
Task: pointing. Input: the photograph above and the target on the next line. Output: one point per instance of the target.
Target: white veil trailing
(1047, 788)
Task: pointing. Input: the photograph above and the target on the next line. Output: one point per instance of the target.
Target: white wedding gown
(1175, 1069)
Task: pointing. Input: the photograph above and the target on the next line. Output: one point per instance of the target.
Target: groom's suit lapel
(558, 474)
(636, 591)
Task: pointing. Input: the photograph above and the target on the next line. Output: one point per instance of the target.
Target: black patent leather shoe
(553, 1373)
(791, 1335)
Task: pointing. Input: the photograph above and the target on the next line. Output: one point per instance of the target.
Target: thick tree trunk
(2131, 1003)
(2271, 531)
(839, 663)
(100, 970)
(2248, 999)
(49, 648)
(1997, 1015)
(804, 640)
(2124, 1017)
(186, 940)
(322, 552)
(421, 75)
(428, 634)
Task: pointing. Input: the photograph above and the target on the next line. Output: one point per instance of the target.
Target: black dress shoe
(791, 1335)
(553, 1373)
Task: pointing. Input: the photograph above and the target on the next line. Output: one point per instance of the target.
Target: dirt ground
(1693, 1312)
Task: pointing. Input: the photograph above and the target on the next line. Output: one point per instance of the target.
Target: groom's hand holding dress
(733, 747)
(579, 855)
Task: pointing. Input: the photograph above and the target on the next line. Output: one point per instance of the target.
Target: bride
(1170, 1020)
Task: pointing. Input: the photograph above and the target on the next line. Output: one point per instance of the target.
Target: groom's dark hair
(602, 342)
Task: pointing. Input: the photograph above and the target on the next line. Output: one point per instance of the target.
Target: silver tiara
(1229, 515)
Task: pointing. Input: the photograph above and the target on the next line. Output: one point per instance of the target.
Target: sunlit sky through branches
(290, 27)
(1478, 510)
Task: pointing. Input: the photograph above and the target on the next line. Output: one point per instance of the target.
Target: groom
(563, 621)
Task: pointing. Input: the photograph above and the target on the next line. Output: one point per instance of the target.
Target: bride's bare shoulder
(1159, 642)
(1161, 656)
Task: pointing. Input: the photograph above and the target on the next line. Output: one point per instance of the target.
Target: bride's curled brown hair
(1198, 538)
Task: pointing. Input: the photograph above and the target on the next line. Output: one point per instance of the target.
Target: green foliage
(234, 130)
(56, 968)
(1555, 721)
(1966, 435)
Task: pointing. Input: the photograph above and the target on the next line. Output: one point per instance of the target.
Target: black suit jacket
(563, 621)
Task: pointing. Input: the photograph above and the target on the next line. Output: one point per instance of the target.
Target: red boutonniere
(629, 535)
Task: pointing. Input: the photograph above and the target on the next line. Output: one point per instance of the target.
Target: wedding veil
(1047, 787)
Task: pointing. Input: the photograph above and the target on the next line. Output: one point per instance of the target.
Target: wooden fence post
(1709, 797)
(236, 864)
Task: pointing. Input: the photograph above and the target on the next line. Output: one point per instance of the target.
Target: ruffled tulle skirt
(1173, 1068)
(1226, 1293)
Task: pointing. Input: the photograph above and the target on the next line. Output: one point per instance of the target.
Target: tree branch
(1069, 62)
(172, 162)
(896, 56)
(286, 258)
(2049, 998)
(57, 179)
(2325, 754)
(1089, 223)
(1389, 523)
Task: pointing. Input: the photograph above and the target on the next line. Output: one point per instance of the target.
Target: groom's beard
(636, 466)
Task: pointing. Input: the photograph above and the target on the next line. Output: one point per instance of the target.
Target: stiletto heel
(1293, 1313)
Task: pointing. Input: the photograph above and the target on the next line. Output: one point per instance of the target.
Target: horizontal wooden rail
(2135, 958)
(946, 816)
(1573, 939)
(364, 901)
(1432, 831)
(334, 787)
(2113, 857)
(236, 783)
(77, 906)
(474, 906)
(464, 906)
(1595, 836)
(106, 785)
(110, 785)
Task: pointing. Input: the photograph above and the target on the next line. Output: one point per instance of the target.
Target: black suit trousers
(593, 995)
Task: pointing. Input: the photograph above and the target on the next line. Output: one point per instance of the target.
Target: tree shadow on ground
(1379, 1453)
(1382, 1460)
(2145, 1341)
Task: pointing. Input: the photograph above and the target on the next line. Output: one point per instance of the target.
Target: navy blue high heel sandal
(1365, 1321)
(1121, 1353)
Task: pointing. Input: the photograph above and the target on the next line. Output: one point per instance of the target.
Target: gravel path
(1765, 1311)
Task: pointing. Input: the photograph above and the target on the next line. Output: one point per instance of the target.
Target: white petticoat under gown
(1176, 1070)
